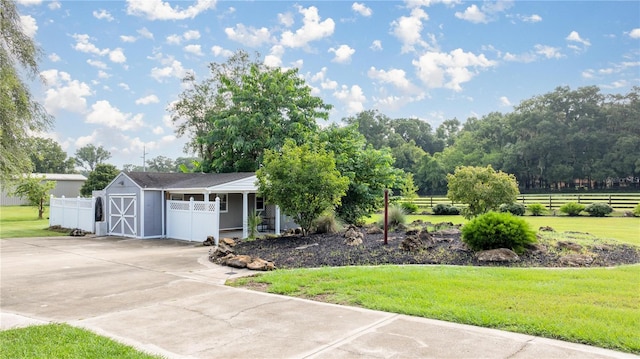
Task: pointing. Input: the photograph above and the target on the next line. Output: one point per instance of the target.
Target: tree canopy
(89, 156)
(19, 113)
(99, 178)
(47, 156)
(35, 190)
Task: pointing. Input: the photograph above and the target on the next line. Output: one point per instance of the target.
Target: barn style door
(123, 215)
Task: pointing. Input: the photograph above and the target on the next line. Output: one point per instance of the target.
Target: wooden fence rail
(623, 202)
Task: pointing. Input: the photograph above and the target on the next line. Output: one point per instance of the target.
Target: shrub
(536, 209)
(409, 207)
(636, 210)
(445, 210)
(516, 209)
(598, 209)
(327, 223)
(497, 230)
(397, 216)
(572, 209)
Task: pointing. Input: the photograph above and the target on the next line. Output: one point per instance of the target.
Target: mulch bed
(445, 247)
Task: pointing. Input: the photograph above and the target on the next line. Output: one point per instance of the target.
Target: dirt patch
(444, 247)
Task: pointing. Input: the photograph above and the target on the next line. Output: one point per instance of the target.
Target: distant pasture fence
(619, 202)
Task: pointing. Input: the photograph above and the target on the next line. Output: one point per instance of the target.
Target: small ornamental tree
(304, 182)
(35, 190)
(481, 188)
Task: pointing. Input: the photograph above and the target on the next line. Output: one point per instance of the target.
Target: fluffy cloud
(274, 59)
(147, 100)
(29, 25)
(194, 49)
(173, 68)
(220, 51)
(248, 36)
(504, 102)
(160, 10)
(396, 77)
(127, 38)
(343, 54)
(486, 13)
(103, 113)
(376, 45)
(144, 32)
(574, 38)
(472, 14)
(635, 33)
(450, 70)
(361, 9)
(189, 35)
(408, 28)
(64, 93)
(531, 18)
(353, 98)
(83, 44)
(117, 56)
(321, 78)
(102, 15)
(286, 19)
(311, 30)
(54, 57)
(549, 52)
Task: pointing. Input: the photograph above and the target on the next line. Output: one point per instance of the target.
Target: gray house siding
(153, 213)
(233, 217)
(122, 185)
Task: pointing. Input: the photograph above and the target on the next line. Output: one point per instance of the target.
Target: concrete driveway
(165, 297)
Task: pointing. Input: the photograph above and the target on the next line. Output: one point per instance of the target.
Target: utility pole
(144, 158)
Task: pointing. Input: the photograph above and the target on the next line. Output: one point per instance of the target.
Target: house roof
(185, 180)
(60, 176)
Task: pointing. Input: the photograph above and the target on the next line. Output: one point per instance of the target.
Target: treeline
(561, 140)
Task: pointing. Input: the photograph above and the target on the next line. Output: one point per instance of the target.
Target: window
(259, 203)
(177, 197)
(223, 200)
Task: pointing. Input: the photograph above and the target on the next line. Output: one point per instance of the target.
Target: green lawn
(22, 221)
(597, 306)
(62, 341)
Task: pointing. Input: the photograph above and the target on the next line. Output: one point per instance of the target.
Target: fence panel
(72, 213)
(193, 221)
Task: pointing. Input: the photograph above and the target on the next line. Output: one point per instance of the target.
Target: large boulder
(220, 251)
(261, 264)
(500, 255)
(571, 246)
(575, 260)
(239, 261)
(412, 243)
(353, 236)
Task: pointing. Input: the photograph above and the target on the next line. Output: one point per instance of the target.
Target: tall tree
(89, 156)
(448, 131)
(47, 156)
(373, 125)
(19, 113)
(161, 164)
(418, 131)
(99, 178)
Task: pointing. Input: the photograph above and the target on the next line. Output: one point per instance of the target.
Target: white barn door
(123, 215)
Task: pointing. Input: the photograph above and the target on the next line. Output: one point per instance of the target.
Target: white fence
(193, 220)
(72, 213)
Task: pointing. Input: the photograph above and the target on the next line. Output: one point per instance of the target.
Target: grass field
(22, 221)
(62, 341)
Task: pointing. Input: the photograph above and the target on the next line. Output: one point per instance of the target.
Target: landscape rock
(221, 250)
(497, 255)
(354, 241)
(412, 243)
(261, 264)
(77, 232)
(569, 246)
(374, 230)
(536, 248)
(575, 260)
(239, 261)
(228, 241)
(210, 241)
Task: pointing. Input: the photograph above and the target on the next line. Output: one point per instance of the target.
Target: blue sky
(114, 67)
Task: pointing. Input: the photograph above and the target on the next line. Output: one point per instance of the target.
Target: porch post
(277, 229)
(245, 214)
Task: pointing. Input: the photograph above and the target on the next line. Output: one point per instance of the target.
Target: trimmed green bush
(497, 230)
(536, 209)
(327, 223)
(572, 209)
(598, 209)
(516, 209)
(409, 207)
(445, 210)
(636, 210)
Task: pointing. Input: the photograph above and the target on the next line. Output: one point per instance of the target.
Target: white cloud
(408, 29)
(504, 101)
(353, 98)
(531, 18)
(635, 33)
(29, 2)
(191, 35)
(54, 57)
(117, 56)
(361, 9)
(84, 45)
(29, 25)
(124, 86)
(450, 70)
(102, 15)
(64, 93)
(194, 49)
(103, 113)
(97, 64)
(396, 77)
(587, 74)
(147, 100)
(126, 38)
(158, 130)
(174, 39)
(173, 68)
(343, 54)
(160, 10)
(311, 30)
(144, 32)
(286, 19)
(575, 37)
(220, 51)
(274, 59)
(54, 5)
(248, 36)
(376, 45)
(472, 14)
(548, 51)
(325, 82)
(103, 74)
